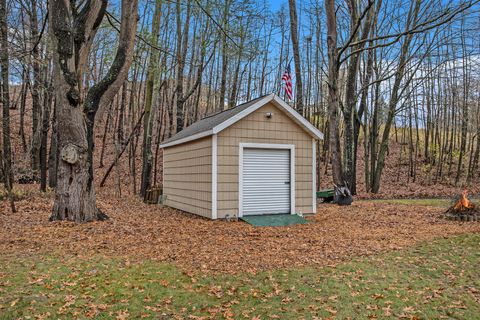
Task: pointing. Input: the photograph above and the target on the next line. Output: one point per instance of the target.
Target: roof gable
(222, 120)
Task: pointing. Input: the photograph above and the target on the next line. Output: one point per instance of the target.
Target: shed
(256, 158)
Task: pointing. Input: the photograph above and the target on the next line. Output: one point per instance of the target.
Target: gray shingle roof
(211, 121)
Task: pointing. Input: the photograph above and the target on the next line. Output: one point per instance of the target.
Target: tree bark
(181, 55)
(232, 101)
(223, 81)
(465, 112)
(351, 117)
(147, 157)
(44, 138)
(36, 97)
(296, 56)
(4, 67)
(23, 102)
(53, 154)
(333, 102)
(72, 34)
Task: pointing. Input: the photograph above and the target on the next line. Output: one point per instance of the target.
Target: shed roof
(218, 121)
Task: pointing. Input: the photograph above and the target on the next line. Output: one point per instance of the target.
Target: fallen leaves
(14, 302)
(122, 315)
(409, 284)
(378, 296)
(137, 231)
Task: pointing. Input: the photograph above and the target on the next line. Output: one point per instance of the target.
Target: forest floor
(138, 231)
(435, 280)
(376, 258)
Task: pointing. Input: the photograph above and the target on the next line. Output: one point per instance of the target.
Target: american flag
(287, 77)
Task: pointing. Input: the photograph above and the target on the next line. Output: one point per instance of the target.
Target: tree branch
(357, 26)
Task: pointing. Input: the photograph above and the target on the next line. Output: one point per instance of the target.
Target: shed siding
(188, 176)
(255, 128)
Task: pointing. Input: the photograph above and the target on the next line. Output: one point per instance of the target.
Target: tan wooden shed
(256, 158)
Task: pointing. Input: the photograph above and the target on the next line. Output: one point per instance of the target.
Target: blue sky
(276, 4)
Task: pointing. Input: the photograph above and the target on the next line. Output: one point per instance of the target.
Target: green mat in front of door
(274, 220)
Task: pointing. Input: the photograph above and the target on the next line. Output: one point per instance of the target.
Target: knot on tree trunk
(73, 96)
(70, 153)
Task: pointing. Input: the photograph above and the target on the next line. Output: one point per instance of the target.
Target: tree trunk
(181, 55)
(36, 107)
(374, 133)
(4, 67)
(223, 81)
(350, 107)
(147, 157)
(296, 55)
(333, 103)
(23, 102)
(44, 138)
(235, 83)
(72, 34)
(53, 154)
(465, 113)
(105, 133)
(351, 117)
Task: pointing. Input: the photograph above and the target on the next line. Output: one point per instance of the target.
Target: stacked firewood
(463, 209)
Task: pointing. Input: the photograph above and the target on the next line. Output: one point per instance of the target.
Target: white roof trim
(294, 115)
(239, 116)
(186, 139)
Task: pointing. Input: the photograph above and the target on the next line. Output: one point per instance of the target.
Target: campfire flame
(463, 203)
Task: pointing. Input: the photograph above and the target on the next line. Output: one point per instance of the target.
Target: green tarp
(325, 193)
(274, 220)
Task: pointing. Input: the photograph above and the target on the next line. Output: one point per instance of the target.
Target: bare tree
(296, 55)
(147, 157)
(333, 96)
(5, 90)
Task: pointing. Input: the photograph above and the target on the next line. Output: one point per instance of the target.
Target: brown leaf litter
(137, 231)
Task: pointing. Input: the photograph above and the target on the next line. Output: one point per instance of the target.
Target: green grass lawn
(431, 281)
(442, 203)
(431, 202)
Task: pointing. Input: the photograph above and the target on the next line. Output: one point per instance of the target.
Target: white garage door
(266, 181)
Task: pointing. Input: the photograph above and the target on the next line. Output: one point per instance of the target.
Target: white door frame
(242, 146)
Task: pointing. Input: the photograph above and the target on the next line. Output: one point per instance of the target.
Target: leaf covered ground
(138, 232)
(437, 280)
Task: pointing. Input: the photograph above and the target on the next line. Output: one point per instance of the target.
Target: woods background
(394, 85)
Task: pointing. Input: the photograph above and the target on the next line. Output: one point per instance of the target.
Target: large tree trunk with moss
(147, 157)
(75, 193)
(72, 33)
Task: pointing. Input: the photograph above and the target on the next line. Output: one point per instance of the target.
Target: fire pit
(463, 209)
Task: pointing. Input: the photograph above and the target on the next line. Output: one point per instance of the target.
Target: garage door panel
(266, 181)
